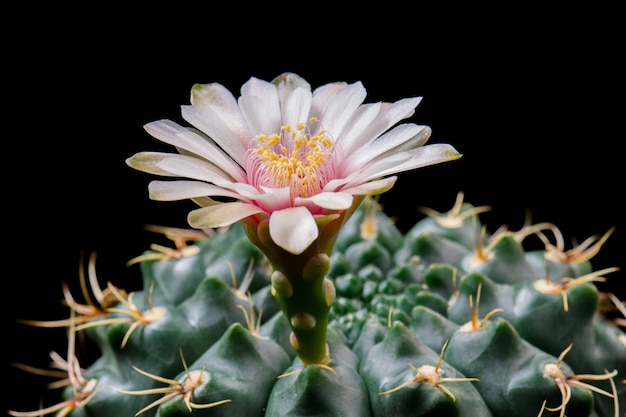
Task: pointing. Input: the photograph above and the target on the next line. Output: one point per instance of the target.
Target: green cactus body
(422, 324)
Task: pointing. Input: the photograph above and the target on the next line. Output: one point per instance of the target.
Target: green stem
(306, 300)
(299, 282)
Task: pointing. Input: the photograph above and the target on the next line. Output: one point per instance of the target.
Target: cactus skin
(427, 298)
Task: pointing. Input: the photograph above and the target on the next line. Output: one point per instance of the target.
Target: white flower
(284, 152)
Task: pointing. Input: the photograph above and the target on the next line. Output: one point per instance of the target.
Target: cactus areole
(294, 294)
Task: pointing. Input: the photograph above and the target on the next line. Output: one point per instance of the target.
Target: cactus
(294, 310)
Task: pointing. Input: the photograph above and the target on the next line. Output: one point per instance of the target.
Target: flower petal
(194, 168)
(409, 160)
(401, 138)
(149, 162)
(293, 229)
(338, 111)
(372, 187)
(325, 94)
(273, 198)
(220, 215)
(260, 107)
(185, 138)
(176, 165)
(390, 114)
(331, 201)
(181, 190)
(358, 123)
(295, 98)
(215, 112)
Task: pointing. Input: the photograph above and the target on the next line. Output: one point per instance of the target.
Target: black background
(533, 101)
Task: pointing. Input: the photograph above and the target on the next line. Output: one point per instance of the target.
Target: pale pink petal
(295, 98)
(149, 162)
(259, 105)
(390, 114)
(273, 198)
(358, 123)
(293, 229)
(342, 107)
(181, 190)
(401, 138)
(215, 112)
(243, 189)
(373, 171)
(193, 141)
(220, 215)
(194, 168)
(176, 165)
(372, 187)
(331, 201)
(325, 94)
(405, 161)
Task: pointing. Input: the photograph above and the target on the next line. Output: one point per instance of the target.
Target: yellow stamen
(293, 158)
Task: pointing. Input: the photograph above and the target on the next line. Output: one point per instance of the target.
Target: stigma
(293, 157)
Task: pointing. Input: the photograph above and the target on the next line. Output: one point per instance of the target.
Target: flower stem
(306, 300)
(299, 283)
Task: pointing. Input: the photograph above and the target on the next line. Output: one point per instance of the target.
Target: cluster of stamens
(292, 158)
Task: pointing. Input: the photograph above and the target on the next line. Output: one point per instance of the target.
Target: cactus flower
(292, 164)
(285, 153)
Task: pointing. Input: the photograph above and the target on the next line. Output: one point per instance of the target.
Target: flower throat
(292, 158)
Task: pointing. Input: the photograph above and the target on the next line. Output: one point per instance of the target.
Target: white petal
(390, 114)
(293, 229)
(291, 81)
(214, 111)
(192, 141)
(323, 95)
(273, 198)
(372, 187)
(259, 105)
(372, 171)
(354, 128)
(149, 162)
(331, 201)
(182, 190)
(220, 215)
(416, 158)
(342, 107)
(175, 165)
(295, 107)
(401, 138)
(295, 97)
(194, 168)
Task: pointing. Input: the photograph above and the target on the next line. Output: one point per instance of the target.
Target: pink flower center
(292, 158)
